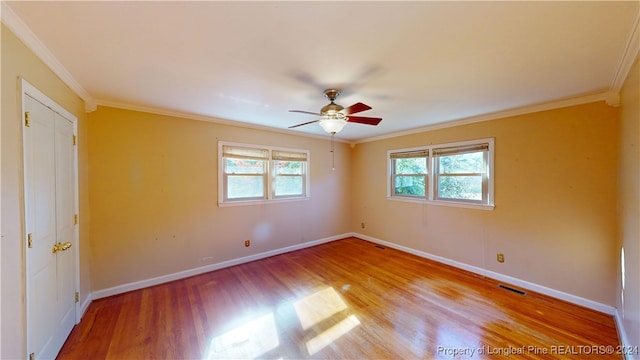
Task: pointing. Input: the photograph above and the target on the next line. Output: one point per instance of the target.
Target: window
(252, 173)
(455, 173)
(289, 173)
(409, 173)
(460, 173)
(244, 173)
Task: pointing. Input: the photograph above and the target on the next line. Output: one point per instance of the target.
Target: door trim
(26, 89)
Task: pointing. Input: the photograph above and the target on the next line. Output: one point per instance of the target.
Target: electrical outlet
(247, 243)
(362, 225)
(500, 257)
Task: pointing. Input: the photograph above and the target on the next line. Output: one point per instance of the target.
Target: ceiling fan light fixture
(332, 125)
(334, 117)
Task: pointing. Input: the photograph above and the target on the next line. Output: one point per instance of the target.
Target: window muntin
(251, 173)
(455, 173)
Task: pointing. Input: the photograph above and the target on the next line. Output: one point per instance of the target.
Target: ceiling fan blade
(364, 120)
(305, 112)
(355, 108)
(307, 123)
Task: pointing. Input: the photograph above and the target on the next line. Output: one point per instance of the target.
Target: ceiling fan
(334, 117)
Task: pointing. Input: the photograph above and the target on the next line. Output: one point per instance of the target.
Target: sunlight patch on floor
(323, 305)
(247, 341)
(318, 307)
(321, 314)
(332, 334)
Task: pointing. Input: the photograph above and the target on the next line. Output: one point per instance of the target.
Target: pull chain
(333, 154)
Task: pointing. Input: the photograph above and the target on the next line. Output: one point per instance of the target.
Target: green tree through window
(460, 176)
(410, 176)
(460, 172)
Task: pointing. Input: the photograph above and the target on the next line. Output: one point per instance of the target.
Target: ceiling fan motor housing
(332, 109)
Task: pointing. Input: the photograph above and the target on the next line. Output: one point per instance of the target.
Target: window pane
(461, 164)
(288, 167)
(244, 166)
(409, 185)
(411, 166)
(460, 187)
(239, 187)
(288, 185)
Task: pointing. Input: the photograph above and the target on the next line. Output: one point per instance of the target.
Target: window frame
(412, 153)
(269, 175)
(288, 155)
(432, 176)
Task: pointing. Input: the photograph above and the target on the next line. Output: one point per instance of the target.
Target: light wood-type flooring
(347, 299)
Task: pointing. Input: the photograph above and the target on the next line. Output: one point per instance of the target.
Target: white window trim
(429, 198)
(269, 177)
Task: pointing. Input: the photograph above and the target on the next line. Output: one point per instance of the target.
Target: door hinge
(30, 240)
(77, 297)
(27, 121)
(32, 356)
(75, 140)
(75, 219)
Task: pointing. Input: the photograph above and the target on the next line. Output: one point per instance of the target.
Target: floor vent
(381, 247)
(513, 290)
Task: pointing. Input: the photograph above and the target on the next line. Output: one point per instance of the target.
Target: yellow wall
(154, 190)
(555, 201)
(629, 206)
(19, 62)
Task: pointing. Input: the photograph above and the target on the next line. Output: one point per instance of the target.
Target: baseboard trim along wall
(624, 340)
(497, 276)
(201, 270)
(474, 269)
(84, 307)
(610, 310)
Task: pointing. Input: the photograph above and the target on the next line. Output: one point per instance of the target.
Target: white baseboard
(200, 270)
(624, 340)
(83, 308)
(500, 277)
(474, 269)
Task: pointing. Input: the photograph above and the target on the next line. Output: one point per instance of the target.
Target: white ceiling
(416, 63)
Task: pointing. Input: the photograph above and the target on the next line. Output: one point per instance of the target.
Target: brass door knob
(61, 246)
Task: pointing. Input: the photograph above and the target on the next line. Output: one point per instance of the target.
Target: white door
(49, 221)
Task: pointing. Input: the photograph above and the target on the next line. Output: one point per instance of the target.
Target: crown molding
(611, 97)
(628, 58)
(189, 116)
(607, 96)
(22, 32)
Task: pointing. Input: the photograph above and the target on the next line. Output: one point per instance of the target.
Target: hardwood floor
(345, 299)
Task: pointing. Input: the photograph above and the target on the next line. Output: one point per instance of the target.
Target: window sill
(260, 202)
(442, 203)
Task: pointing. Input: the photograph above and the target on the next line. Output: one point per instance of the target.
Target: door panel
(65, 206)
(41, 224)
(49, 209)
